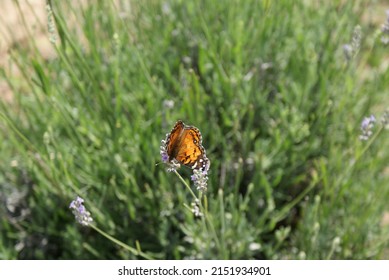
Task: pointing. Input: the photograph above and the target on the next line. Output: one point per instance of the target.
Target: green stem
(186, 185)
(358, 156)
(121, 244)
(283, 212)
(203, 210)
(18, 133)
(372, 139)
(332, 250)
(210, 224)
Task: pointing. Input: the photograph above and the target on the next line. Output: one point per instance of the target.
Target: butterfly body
(184, 144)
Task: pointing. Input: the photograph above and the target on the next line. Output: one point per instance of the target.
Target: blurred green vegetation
(267, 83)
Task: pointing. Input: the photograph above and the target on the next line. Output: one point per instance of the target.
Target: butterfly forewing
(174, 139)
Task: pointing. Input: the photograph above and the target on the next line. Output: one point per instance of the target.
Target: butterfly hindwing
(190, 147)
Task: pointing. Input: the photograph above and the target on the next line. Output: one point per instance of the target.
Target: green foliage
(278, 105)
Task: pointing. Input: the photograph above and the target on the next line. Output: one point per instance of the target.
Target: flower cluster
(351, 49)
(200, 179)
(348, 51)
(51, 24)
(172, 165)
(366, 127)
(82, 216)
(196, 209)
(385, 30)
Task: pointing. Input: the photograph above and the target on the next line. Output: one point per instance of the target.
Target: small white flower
(200, 179)
(196, 209)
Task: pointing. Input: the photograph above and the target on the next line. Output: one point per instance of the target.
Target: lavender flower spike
(200, 179)
(366, 127)
(82, 216)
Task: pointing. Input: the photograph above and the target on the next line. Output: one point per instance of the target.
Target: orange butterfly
(183, 144)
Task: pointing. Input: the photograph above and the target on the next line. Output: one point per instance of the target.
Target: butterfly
(184, 144)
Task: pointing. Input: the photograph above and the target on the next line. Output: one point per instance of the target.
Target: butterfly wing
(174, 139)
(191, 152)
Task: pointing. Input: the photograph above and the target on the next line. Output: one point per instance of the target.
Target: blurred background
(279, 89)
